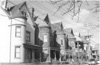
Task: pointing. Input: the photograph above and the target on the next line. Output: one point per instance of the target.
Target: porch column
(49, 55)
(60, 57)
(55, 55)
(40, 56)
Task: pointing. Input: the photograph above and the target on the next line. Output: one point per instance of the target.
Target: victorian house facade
(26, 40)
(18, 34)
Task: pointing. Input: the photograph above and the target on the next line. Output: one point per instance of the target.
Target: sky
(86, 22)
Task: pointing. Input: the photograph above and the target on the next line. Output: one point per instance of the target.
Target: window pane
(17, 55)
(18, 34)
(17, 51)
(61, 41)
(27, 36)
(45, 38)
(18, 29)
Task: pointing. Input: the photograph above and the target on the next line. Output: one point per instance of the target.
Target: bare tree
(74, 6)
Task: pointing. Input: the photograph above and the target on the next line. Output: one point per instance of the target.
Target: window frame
(62, 41)
(46, 37)
(29, 37)
(16, 47)
(16, 31)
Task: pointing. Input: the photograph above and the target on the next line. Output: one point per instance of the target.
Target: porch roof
(54, 48)
(32, 46)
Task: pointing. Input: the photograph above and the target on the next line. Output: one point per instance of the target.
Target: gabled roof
(42, 16)
(41, 22)
(16, 11)
(84, 39)
(58, 27)
(78, 38)
(69, 32)
(47, 20)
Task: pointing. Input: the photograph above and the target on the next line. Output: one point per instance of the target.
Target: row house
(83, 48)
(42, 38)
(95, 54)
(70, 43)
(51, 38)
(86, 46)
(17, 34)
(59, 40)
(27, 40)
(24, 40)
(77, 46)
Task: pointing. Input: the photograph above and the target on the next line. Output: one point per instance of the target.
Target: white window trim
(16, 48)
(28, 36)
(16, 31)
(45, 40)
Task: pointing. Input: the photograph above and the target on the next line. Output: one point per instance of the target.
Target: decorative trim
(17, 25)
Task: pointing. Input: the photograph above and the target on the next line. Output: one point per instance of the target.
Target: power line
(37, 5)
(11, 2)
(40, 7)
(53, 6)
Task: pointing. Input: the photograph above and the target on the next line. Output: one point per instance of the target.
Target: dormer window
(23, 13)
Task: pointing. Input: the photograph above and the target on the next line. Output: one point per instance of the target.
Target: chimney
(3, 4)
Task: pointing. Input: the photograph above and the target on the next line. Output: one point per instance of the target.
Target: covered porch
(32, 53)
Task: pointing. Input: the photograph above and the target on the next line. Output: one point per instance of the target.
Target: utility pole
(88, 38)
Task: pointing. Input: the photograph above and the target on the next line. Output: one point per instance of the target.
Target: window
(93, 51)
(94, 56)
(18, 31)
(61, 41)
(23, 12)
(17, 51)
(45, 38)
(28, 34)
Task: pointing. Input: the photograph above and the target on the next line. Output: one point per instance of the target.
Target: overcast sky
(79, 26)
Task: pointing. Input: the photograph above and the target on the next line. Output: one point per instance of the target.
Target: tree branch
(63, 4)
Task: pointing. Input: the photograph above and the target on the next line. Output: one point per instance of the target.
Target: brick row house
(24, 39)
